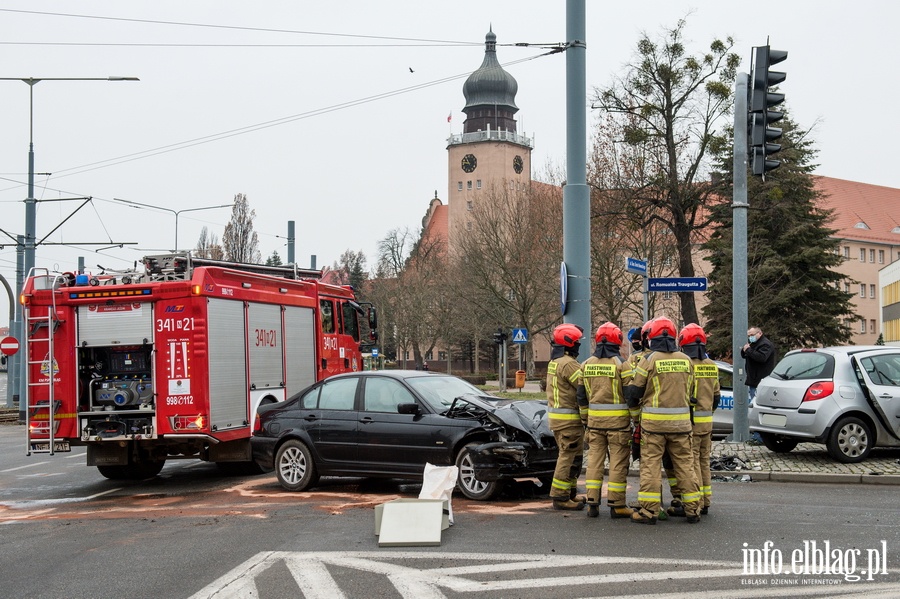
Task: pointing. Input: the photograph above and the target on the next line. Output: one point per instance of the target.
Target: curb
(795, 477)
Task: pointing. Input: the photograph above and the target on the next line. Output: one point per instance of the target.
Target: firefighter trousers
(618, 445)
(702, 444)
(570, 442)
(653, 446)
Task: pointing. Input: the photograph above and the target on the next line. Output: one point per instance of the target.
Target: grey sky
(339, 135)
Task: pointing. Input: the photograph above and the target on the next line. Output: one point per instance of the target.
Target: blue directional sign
(374, 352)
(520, 335)
(677, 284)
(638, 267)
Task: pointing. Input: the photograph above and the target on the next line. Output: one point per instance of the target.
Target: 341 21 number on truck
(174, 360)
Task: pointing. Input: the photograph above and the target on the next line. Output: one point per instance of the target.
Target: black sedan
(390, 423)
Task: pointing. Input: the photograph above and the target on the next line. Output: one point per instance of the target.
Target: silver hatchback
(845, 397)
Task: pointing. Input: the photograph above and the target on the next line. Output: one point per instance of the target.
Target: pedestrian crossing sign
(520, 335)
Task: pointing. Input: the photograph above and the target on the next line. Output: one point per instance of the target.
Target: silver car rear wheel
(850, 440)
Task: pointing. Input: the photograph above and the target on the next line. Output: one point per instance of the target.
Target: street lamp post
(31, 202)
(175, 212)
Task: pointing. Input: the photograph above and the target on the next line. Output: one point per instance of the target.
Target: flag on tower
(450, 116)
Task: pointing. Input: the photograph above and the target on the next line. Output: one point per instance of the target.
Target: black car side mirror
(408, 408)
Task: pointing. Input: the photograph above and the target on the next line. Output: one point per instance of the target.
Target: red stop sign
(9, 345)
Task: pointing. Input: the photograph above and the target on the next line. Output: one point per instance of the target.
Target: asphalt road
(193, 532)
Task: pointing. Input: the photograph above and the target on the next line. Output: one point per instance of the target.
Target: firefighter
(567, 403)
(640, 349)
(692, 340)
(608, 423)
(662, 386)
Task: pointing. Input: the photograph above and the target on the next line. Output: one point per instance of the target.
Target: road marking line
(23, 467)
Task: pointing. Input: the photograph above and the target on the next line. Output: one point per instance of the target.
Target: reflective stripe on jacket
(666, 379)
(603, 384)
(564, 376)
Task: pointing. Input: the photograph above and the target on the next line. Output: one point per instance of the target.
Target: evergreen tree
(794, 294)
(274, 259)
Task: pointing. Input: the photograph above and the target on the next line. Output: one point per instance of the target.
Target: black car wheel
(850, 440)
(778, 443)
(294, 466)
(470, 486)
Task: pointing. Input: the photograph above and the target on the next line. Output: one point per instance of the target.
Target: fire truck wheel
(294, 466)
(470, 486)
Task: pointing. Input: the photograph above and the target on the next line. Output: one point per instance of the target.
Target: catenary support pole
(576, 195)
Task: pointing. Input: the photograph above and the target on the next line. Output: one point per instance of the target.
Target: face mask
(752, 339)
(636, 345)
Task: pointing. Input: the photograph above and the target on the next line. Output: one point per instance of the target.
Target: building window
(880, 256)
(460, 186)
(872, 291)
(667, 295)
(469, 205)
(442, 356)
(862, 254)
(862, 325)
(862, 290)
(478, 184)
(872, 326)
(468, 225)
(846, 247)
(871, 255)
(469, 187)
(846, 287)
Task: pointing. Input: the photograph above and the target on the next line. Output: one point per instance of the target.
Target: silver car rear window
(805, 365)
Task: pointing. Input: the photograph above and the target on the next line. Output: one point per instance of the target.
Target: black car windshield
(440, 391)
(804, 365)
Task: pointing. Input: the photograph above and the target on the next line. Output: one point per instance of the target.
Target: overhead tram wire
(58, 173)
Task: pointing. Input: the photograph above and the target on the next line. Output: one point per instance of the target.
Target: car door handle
(366, 420)
(311, 417)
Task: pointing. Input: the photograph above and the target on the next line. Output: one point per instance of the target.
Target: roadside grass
(513, 393)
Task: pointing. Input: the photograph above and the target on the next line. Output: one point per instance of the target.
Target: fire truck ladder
(44, 325)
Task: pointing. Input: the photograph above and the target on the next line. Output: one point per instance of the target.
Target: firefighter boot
(593, 510)
(704, 510)
(677, 509)
(640, 517)
(693, 519)
(567, 504)
(620, 511)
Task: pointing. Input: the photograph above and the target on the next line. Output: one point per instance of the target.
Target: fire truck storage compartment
(115, 356)
(300, 348)
(265, 346)
(115, 324)
(227, 364)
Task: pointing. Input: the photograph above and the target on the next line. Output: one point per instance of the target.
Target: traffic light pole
(739, 207)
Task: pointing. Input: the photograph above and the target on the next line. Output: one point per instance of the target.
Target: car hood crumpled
(529, 416)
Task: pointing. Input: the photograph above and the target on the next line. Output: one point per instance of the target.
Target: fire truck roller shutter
(123, 323)
(265, 346)
(227, 364)
(300, 348)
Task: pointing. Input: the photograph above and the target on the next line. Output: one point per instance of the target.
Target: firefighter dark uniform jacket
(706, 392)
(564, 377)
(662, 386)
(607, 408)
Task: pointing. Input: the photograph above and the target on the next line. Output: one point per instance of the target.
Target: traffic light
(500, 336)
(762, 101)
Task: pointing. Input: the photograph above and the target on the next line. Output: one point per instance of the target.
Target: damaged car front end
(522, 444)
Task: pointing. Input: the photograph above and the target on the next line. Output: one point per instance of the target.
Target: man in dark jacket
(759, 355)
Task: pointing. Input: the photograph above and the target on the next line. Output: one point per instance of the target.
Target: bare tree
(208, 246)
(623, 226)
(508, 258)
(669, 104)
(240, 241)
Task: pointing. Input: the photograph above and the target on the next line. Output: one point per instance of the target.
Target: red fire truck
(173, 361)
